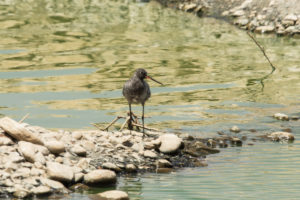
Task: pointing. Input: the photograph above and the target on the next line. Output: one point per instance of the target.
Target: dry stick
(111, 123)
(141, 126)
(23, 118)
(262, 50)
(123, 125)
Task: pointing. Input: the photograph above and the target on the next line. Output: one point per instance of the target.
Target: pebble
(281, 116)
(170, 143)
(264, 29)
(235, 129)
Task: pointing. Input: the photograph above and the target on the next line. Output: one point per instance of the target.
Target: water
(65, 63)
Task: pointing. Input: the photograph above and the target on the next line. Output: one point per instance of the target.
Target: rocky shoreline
(270, 16)
(35, 161)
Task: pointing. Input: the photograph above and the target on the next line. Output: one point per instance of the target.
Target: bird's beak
(149, 77)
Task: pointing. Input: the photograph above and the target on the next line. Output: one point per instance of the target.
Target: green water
(65, 62)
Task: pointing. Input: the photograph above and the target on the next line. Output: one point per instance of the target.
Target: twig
(23, 118)
(111, 123)
(262, 50)
(123, 125)
(141, 126)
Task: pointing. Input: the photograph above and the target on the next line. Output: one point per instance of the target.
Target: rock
(130, 168)
(79, 150)
(40, 190)
(55, 146)
(78, 177)
(18, 131)
(59, 172)
(238, 13)
(52, 184)
(150, 154)
(281, 116)
(148, 145)
(281, 136)
(163, 163)
(88, 145)
(295, 117)
(111, 166)
(236, 141)
(241, 21)
(265, 29)
(291, 17)
(21, 194)
(170, 143)
(77, 135)
(5, 140)
(189, 7)
(235, 129)
(30, 153)
(100, 176)
(163, 170)
(79, 186)
(113, 195)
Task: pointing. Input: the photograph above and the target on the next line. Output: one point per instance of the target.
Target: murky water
(65, 62)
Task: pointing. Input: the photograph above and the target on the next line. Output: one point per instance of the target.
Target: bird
(136, 90)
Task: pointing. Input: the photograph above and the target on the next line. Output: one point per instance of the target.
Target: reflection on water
(65, 64)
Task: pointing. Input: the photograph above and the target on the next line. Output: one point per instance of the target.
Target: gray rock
(170, 143)
(130, 168)
(111, 166)
(55, 146)
(40, 190)
(150, 154)
(79, 150)
(113, 195)
(100, 176)
(59, 172)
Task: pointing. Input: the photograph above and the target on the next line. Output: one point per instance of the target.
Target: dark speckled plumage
(137, 90)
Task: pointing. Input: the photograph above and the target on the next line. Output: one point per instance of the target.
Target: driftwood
(23, 118)
(19, 132)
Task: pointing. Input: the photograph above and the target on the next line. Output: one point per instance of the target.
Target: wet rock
(163, 163)
(79, 186)
(79, 150)
(170, 143)
(265, 29)
(281, 116)
(281, 136)
(41, 190)
(113, 195)
(236, 142)
(164, 170)
(150, 154)
(59, 172)
(18, 131)
(52, 184)
(21, 194)
(100, 176)
(295, 117)
(235, 129)
(130, 168)
(211, 143)
(55, 146)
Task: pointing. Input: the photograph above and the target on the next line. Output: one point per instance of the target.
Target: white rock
(41, 190)
(30, 152)
(170, 143)
(52, 184)
(238, 13)
(78, 177)
(79, 150)
(150, 154)
(100, 176)
(280, 136)
(59, 172)
(77, 135)
(4, 140)
(113, 195)
(130, 167)
(281, 116)
(55, 146)
(235, 129)
(265, 29)
(291, 17)
(111, 166)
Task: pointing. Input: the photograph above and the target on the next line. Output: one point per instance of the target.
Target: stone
(60, 172)
(150, 154)
(88, 145)
(79, 150)
(189, 7)
(291, 17)
(295, 117)
(241, 21)
(130, 168)
(83, 163)
(78, 177)
(55, 146)
(265, 29)
(149, 145)
(40, 190)
(170, 143)
(100, 176)
(4, 140)
(111, 166)
(18, 131)
(235, 129)
(236, 141)
(77, 135)
(281, 116)
(163, 163)
(30, 153)
(19, 193)
(52, 184)
(238, 13)
(281, 136)
(113, 195)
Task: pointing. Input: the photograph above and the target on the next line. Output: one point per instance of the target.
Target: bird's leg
(143, 104)
(130, 127)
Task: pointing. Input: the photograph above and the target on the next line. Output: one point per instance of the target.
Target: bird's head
(142, 74)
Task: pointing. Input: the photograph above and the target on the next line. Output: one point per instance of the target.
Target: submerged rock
(281, 116)
(113, 195)
(235, 129)
(281, 136)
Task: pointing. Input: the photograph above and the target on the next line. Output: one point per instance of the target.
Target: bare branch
(23, 118)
